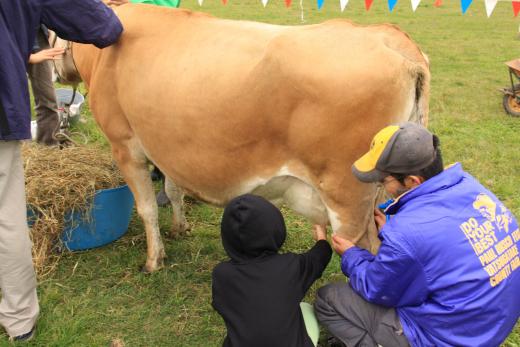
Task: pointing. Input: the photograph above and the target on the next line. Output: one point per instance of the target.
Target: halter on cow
(227, 107)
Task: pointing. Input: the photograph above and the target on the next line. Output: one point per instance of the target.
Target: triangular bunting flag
(516, 7)
(200, 2)
(391, 4)
(288, 3)
(343, 4)
(490, 6)
(264, 2)
(368, 3)
(320, 4)
(465, 4)
(438, 3)
(415, 4)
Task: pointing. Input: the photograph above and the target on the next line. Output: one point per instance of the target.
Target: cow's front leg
(176, 195)
(133, 164)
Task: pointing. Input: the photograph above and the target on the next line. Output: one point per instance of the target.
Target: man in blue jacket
(87, 21)
(446, 273)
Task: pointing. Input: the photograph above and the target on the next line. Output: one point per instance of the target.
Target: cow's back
(184, 78)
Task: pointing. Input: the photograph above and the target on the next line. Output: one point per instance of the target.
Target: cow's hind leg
(176, 196)
(351, 213)
(134, 165)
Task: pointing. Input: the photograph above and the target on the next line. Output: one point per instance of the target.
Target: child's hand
(319, 232)
(340, 245)
(46, 54)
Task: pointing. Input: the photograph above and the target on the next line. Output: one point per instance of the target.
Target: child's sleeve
(215, 289)
(314, 262)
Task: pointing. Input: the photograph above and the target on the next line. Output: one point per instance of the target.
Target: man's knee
(323, 295)
(330, 295)
(334, 290)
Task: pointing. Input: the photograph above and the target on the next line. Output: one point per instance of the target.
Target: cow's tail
(421, 74)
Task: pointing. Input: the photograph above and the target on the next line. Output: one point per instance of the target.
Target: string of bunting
(464, 4)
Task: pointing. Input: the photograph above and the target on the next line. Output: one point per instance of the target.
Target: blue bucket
(107, 221)
(64, 96)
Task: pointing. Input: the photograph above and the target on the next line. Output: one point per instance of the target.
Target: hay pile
(58, 181)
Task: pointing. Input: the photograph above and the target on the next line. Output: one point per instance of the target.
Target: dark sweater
(258, 291)
(77, 20)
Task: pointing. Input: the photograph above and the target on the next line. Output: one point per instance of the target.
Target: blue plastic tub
(108, 220)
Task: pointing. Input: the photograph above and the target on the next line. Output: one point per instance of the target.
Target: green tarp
(167, 3)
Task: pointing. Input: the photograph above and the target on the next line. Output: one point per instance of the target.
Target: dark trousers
(42, 86)
(355, 321)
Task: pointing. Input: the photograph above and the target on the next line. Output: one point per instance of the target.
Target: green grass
(99, 295)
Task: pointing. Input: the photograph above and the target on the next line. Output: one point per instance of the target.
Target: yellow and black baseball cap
(403, 148)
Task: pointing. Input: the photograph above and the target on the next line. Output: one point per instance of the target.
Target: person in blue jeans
(446, 273)
(19, 308)
(258, 291)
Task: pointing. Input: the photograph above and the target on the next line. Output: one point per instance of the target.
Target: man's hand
(379, 218)
(116, 2)
(340, 244)
(319, 232)
(46, 54)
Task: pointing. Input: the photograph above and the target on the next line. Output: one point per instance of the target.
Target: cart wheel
(510, 103)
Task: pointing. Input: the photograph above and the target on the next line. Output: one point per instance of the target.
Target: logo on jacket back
(490, 237)
(487, 207)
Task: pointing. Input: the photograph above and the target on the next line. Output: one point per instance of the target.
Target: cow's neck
(84, 57)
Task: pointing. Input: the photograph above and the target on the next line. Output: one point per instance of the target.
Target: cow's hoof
(183, 229)
(162, 199)
(187, 229)
(145, 270)
(148, 270)
(150, 267)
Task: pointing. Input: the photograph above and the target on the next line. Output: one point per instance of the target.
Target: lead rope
(74, 89)
(53, 44)
(62, 135)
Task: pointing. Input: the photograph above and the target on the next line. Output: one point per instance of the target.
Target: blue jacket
(86, 21)
(448, 262)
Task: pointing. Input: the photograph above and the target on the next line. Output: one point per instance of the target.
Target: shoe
(334, 342)
(24, 337)
(156, 174)
(162, 198)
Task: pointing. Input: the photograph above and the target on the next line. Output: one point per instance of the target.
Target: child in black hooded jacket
(258, 291)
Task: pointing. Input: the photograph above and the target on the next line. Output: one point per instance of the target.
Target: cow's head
(65, 69)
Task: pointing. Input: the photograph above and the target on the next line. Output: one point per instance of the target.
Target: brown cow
(226, 107)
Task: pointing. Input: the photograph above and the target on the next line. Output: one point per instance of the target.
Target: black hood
(251, 227)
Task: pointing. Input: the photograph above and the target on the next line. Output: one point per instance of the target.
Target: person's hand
(319, 232)
(116, 2)
(340, 244)
(380, 218)
(46, 54)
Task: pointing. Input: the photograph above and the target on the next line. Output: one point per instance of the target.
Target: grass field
(99, 295)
